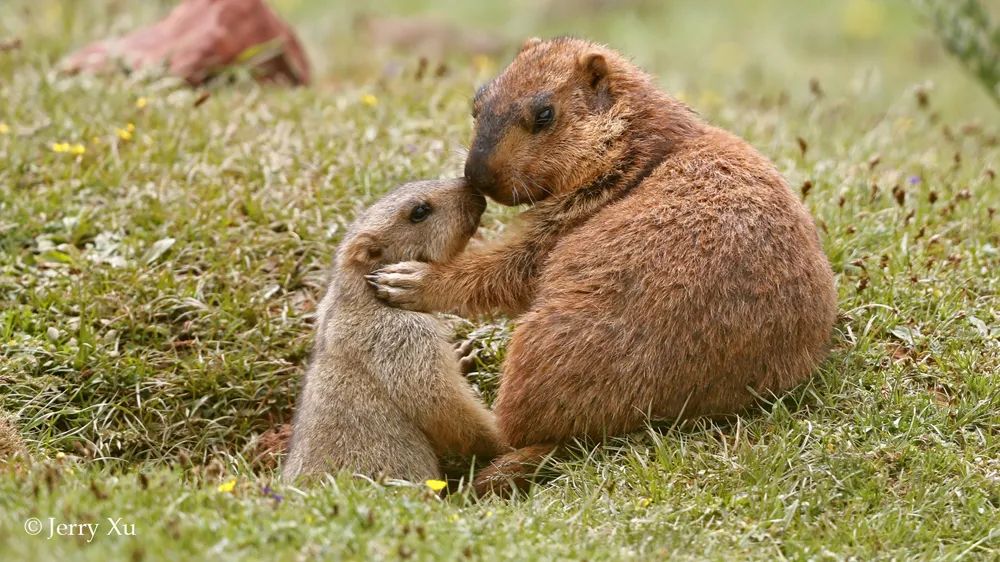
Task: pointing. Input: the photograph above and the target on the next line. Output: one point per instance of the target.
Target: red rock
(199, 38)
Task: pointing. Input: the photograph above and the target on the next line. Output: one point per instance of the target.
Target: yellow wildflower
(644, 502)
(4, 129)
(125, 134)
(369, 100)
(436, 485)
(141, 103)
(65, 147)
(227, 486)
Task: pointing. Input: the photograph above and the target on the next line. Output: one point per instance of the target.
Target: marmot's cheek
(505, 195)
(474, 211)
(479, 203)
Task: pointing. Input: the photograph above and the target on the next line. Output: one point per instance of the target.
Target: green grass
(123, 353)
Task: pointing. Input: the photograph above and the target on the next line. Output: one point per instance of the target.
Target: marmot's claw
(462, 348)
(467, 354)
(399, 284)
(404, 275)
(467, 364)
(395, 297)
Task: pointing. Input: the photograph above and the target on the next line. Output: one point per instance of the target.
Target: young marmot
(383, 395)
(666, 269)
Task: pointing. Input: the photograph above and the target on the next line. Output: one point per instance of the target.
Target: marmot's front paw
(401, 284)
(467, 353)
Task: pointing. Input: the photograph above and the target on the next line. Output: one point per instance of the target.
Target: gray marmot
(383, 394)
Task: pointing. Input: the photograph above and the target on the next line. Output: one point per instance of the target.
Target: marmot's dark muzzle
(477, 170)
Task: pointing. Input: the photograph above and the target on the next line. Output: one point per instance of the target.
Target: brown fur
(270, 447)
(665, 270)
(383, 395)
(11, 443)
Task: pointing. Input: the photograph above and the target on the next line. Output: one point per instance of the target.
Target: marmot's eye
(544, 118)
(420, 212)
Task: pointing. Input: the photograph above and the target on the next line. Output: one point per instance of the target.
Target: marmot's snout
(477, 170)
(467, 203)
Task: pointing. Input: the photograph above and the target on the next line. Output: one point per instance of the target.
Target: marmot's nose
(477, 172)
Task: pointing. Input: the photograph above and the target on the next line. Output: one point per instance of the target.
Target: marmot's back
(703, 291)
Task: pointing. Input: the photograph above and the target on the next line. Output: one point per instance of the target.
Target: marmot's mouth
(504, 198)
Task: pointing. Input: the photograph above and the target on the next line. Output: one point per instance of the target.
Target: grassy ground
(157, 291)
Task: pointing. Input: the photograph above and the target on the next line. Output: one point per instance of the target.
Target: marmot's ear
(529, 43)
(363, 250)
(595, 69)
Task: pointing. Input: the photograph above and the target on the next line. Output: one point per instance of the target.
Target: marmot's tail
(514, 471)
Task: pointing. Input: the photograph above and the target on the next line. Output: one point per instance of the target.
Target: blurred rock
(428, 38)
(201, 37)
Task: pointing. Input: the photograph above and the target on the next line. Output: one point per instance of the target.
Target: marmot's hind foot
(514, 472)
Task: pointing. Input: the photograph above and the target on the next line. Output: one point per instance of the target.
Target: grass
(156, 295)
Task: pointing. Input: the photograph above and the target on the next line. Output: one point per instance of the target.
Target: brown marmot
(665, 270)
(383, 395)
